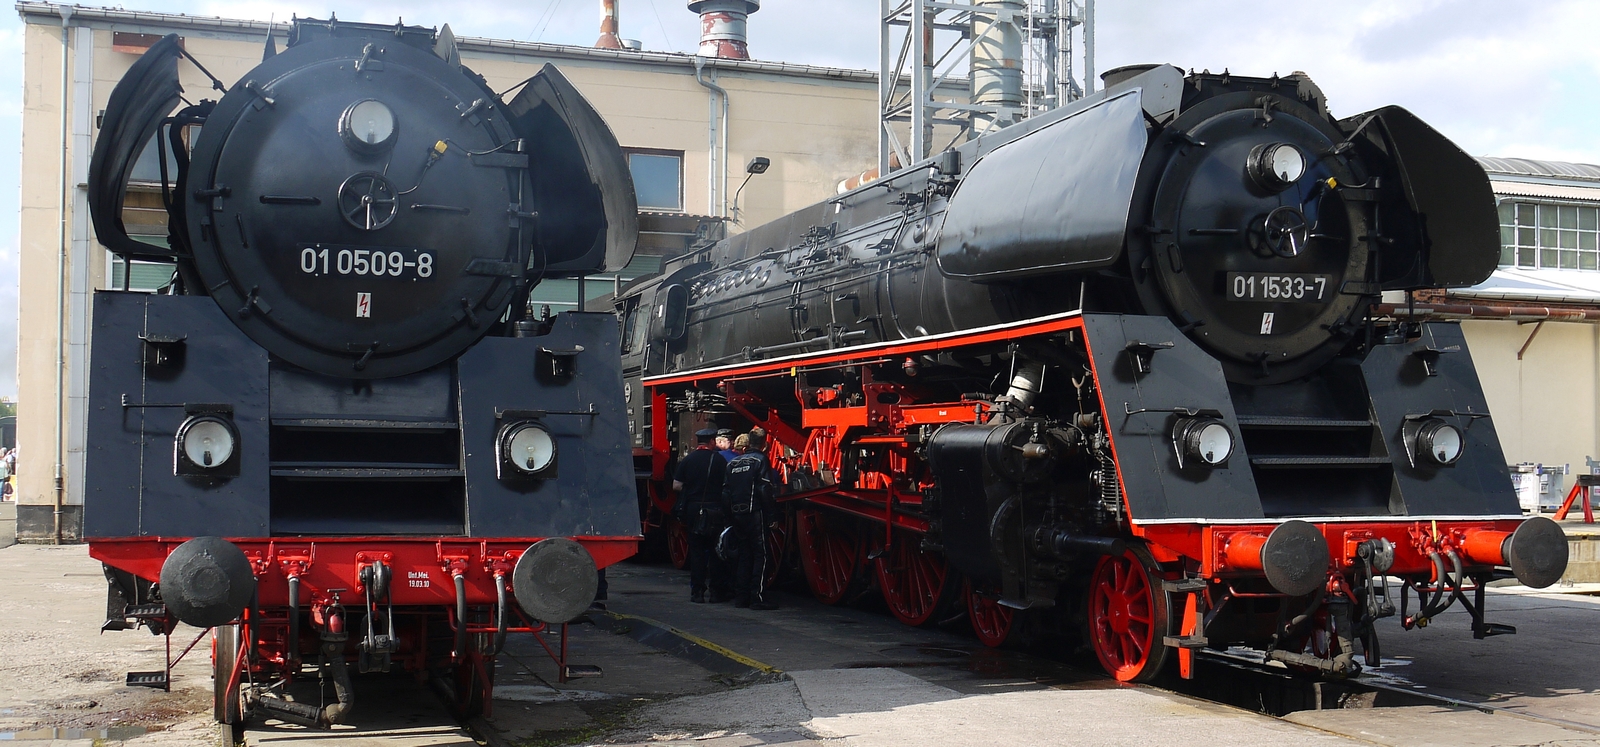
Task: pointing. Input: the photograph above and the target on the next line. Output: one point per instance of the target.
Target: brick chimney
(608, 26)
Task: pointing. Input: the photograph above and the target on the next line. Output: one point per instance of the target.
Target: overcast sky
(1505, 79)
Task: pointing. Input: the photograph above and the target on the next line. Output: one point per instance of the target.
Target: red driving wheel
(777, 549)
(914, 583)
(829, 553)
(991, 621)
(677, 544)
(1128, 617)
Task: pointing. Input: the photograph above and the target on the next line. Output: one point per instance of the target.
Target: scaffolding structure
(1016, 56)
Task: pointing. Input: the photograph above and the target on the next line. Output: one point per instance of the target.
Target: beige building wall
(817, 125)
(1544, 405)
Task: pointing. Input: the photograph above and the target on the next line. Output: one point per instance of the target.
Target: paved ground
(805, 674)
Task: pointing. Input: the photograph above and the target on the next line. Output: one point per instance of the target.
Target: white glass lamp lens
(1215, 443)
(208, 443)
(371, 122)
(1287, 163)
(532, 449)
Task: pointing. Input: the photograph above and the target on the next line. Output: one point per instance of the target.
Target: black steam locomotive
(1118, 366)
(339, 438)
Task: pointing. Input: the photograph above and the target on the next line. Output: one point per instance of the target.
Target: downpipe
(718, 183)
(60, 485)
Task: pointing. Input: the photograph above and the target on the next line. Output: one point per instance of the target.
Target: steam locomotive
(339, 439)
(1118, 369)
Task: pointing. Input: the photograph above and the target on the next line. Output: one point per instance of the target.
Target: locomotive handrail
(1188, 412)
(190, 408)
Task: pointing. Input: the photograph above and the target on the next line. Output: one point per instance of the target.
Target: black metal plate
(594, 493)
(1397, 381)
(129, 485)
(1181, 376)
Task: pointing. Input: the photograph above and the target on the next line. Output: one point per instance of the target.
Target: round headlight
(1440, 442)
(1202, 442)
(529, 448)
(206, 441)
(1275, 166)
(368, 126)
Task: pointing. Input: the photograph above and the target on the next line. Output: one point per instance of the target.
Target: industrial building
(692, 124)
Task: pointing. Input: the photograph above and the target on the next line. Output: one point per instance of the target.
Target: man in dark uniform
(698, 483)
(749, 493)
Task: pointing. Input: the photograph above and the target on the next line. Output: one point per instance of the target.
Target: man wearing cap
(698, 483)
(749, 493)
(725, 443)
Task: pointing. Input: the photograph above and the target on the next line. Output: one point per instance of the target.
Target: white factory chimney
(722, 27)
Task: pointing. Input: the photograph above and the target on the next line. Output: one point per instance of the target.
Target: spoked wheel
(1128, 618)
(991, 621)
(916, 584)
(830, 553)
(777, 550)
(677, 544)
(225, 674)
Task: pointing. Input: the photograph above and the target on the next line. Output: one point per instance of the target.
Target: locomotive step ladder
(1584, 485)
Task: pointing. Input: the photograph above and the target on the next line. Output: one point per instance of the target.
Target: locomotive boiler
(1117, 368)
(339, 439)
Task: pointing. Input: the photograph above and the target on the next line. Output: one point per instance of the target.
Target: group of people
(727, 485)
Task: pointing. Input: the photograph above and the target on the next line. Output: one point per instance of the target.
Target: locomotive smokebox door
(588, 218)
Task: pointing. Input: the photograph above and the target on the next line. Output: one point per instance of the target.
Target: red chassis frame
(1192, 549)
(329, 571)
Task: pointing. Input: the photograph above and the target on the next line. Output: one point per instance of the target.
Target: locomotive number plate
(1268, 286)
(320, 260)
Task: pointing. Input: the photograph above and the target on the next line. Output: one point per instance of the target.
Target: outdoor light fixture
(1438, 443)
(1275, 166)
(1202, 442)
(368, 126)
(526, 449)
(206, 445)
(757, 165)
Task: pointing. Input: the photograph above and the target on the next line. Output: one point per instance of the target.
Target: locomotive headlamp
(1438, 443)
(1202, 442)
(206, 445)
(368, 126)
(527, 449)
(1276, 166)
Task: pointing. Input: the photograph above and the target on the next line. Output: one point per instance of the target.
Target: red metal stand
(1585, 484)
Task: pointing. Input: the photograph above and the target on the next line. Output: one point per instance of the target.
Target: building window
(657, 179)
(1549, 236)
(145, 276)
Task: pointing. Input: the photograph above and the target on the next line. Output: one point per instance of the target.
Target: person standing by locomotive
(725, 444)
(748, 492)
(698, 482)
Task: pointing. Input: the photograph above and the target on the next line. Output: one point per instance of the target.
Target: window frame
(1547, 250)
(629, 153)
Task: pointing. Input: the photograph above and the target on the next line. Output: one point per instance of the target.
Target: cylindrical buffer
(555, 580)
(207, 582)
(1537, 552)
(1294, 556)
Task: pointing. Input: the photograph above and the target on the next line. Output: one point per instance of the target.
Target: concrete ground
(716, 676)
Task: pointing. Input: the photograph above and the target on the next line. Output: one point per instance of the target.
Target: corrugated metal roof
(1528, 167)
(1523, 284)
(1556, 191)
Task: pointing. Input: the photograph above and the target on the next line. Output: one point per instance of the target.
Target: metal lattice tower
(1017, 56)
